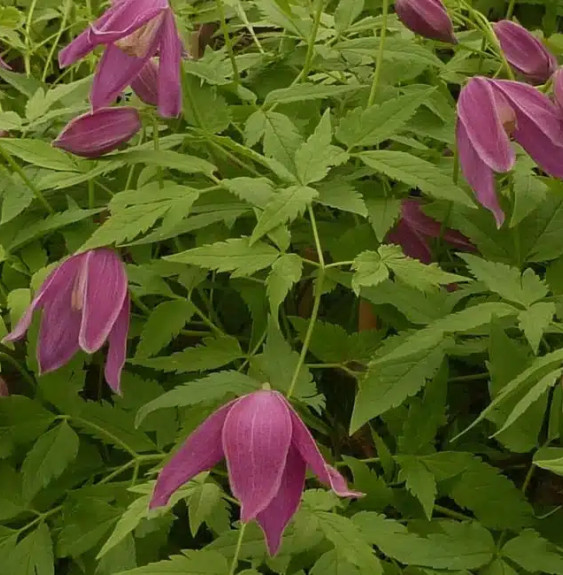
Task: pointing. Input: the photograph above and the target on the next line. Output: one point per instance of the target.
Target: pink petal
(539, 124)
(478, 175)
(428, 18)
(60, 322)
(105, 290)
(413, 242)
(169, 86)
(202, 450)
(305, 444)
(524, 51)
(96, 133)
(274, 519)
(145, 85)
(60, 277)
(256, 439)
(4, 65)
(558, 88)
(115, 72)
(478, 111)
(117, 351)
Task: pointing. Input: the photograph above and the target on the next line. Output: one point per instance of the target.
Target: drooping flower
(524, 52)
(415, 228)
(133, 31)
(429, 18)
(85, 303)
(558, 88)
(488, 112)
(96, 133)
(267, 448)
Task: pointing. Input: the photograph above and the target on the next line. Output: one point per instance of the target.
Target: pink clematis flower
(133, 31)
(415, 228)
(85, 302)
(429, 18)
(94, 134)
(488, 112)
(267, 448)
(524, 52)
(145, 85)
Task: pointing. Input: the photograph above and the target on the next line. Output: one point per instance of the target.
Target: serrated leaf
(550, 458)
(419, 481)
(371, 126)
(369, 270)
(49, 457)
(507, 281)
(216, 352)
(33, 555)
(205, 497)
(235, 255)
(345, 13)
(534, 553)
(285, 272)
(163, 324)
(316, 156)
(39, 153)
(281, 139)
(196, 563)
(535, 320)
(347, 540)
(209, 388)
(286, 205)
(416, 173)
(203, 106)
(388, 385)
(303, 92)
(256, 191)
(341, 195)
(332, 563)
(16, 198)
(165, 159)
(382, 214)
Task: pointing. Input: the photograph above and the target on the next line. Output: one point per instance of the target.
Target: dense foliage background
(253, 227)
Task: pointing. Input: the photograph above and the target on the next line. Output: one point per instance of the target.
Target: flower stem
(379, 60)
(28, 22)
(510, 9)
(312, 39)
(316, 305)
(17, 168)
(66, 13)
(228, 41)
(237, 549)
(156, 143)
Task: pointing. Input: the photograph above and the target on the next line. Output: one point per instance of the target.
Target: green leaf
(332, 562)
(507, 281)
(369, 270)
(196, 563)
(388, 385)
(534, 553)
(285, 272)
(15, 199)
(286, 205)
(455, 546)
(22, 420)
(166, 159)
(202, 502)
(348, 541)
(256, 191)
(371, 126)
(203, 106)
(236, 255)
(535, 320)
(49, 457)
(303, 92)
(163, 324)
(345, 13)
(316, 156)
(210, 388)
(216, 352)
(33, 555)
(341, 195)
(419, 481)
(39, 153)
(416, 173)
(529, 192)
(18, 301)
(550, 458)
(383, 213)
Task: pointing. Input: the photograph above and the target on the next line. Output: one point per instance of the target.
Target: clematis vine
(267, 448)
(96, 133)
(489, 112)
(85, 303)
(415, 228)
(524, 52)
(429, 18)
(133, 32)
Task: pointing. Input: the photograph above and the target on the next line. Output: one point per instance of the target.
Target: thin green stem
(451, 513)
(228, 40)
(28, 22)
(156, 143)
(40, 518)
(510, 9)
(471, 377)
(18, 169)
(379, 60)
(66, 13)
(316, 305)
(114, 438)
(312, 41)
(234, 562)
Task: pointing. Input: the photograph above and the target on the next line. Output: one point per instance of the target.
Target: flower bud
(145, 85)
(428, 18)
(524, 52)
(94, 134)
